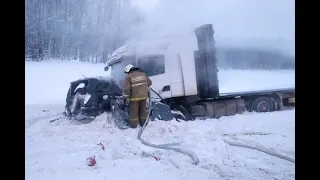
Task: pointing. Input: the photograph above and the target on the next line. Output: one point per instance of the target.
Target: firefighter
(136, 89)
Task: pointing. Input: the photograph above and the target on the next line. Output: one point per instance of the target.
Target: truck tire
(248, 105)
(263, 104)
(121, 118)
(186, 116)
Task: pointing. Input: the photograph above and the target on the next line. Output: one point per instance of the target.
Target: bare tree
(86, 30)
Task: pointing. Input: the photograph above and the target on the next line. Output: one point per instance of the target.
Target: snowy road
(58, 150)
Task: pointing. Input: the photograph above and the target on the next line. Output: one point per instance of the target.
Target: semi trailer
(185, 76)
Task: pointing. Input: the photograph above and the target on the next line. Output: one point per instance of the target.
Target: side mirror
(106, 68)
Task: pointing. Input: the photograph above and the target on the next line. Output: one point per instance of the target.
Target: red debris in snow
(91, 161)
(150, 155)
(102, 146)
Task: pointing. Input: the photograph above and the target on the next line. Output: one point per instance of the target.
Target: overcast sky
(241, 22)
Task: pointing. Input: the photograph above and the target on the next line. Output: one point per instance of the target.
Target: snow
(253, 80)
(59, 150)
(48, 82)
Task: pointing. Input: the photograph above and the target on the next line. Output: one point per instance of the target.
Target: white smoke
(263, 24)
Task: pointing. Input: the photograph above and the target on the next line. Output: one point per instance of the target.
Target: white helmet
(128, 68)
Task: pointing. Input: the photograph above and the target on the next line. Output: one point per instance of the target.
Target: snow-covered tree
(86, 30)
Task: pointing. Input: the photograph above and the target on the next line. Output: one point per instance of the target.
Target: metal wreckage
(185, 86)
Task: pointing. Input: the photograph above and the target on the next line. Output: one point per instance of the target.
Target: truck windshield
(150, 64)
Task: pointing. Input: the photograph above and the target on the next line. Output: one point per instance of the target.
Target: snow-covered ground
(59, 150)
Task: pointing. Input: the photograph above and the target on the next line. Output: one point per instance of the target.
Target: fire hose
(260, 149)
(191, 154)
(169, 146)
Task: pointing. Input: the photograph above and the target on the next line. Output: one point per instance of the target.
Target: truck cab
(167, 79)
(184, 72)
(173, 64)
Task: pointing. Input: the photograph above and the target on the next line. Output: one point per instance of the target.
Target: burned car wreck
(90, 97)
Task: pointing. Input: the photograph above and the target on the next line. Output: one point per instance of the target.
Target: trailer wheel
(263, 104)
(184, 112)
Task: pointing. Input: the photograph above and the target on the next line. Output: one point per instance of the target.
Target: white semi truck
(184, 73)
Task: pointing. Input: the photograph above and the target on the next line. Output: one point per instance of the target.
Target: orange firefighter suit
(136, 89)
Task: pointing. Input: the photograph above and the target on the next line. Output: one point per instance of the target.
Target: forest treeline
(84, 30)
